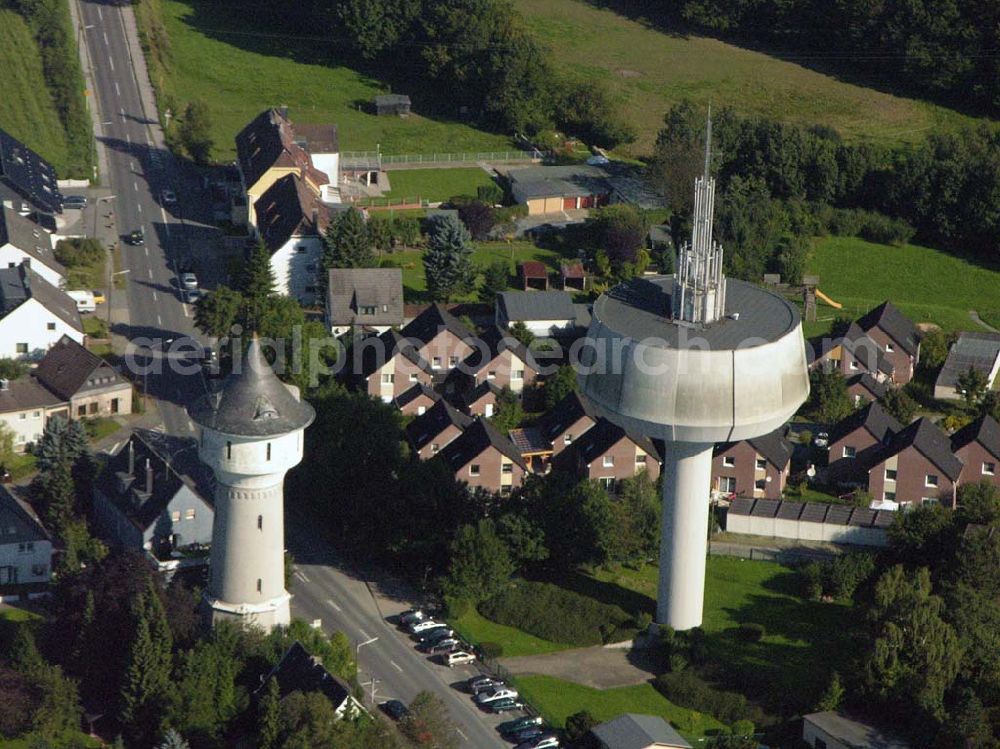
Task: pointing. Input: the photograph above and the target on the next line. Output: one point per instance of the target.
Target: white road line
(334, 606)
(146, 249)
(364, 634)
(459, 732)
(128, 138)
(166, 224)
(105, 34)
(139, 207)
(149, 272)
(99, 14)
(122, 112)
(187, 310)
(155, 297)
(301, 575)
(111, 63)
(396, 666)
(118, 91)
(135, 185)
(159, 320)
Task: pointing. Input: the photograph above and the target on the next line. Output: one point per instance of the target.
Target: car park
(424, 625)
(503, 706)
(394, 709)
(458, 657)
(484, 683)
(519, 724)
(499, 693)
(548, 741)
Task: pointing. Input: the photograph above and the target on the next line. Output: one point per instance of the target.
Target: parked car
(191, 296)
(84, 299)
(822, 439)
(458, 657)
(483, 683)
(549, 741)
(518, 724)
(443, 647)
(499, 693)
(98, 296)
(210, 362)
(413, 615)
(136, 237)
(168, 197)
(424, 625)
(527, 734)
(189, 280)
(394, 709)
(76, 202)
(503, 706)
(434, 635)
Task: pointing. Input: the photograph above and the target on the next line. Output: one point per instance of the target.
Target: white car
(458, 658)
(425, 624)
(189, 281)
(169, 197)
(497, 694)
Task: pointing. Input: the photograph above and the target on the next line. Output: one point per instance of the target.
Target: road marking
(149, 272)
(135, 185)
(364, 634)
(122, 112)
(99, 14)
(128, 138)
(187, 310)
(459, 732)
(139, 207)
(396, 666)
(333, 605)
(146, 249)
(105, 34)
(159, 320)
(118, 91)
(111, 63)
(154, 295)
(301, 575)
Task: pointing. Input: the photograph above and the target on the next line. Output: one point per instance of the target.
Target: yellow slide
(828, 300)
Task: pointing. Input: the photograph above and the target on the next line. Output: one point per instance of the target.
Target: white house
(22, 239)
(291, 221)
(34, 314)
(25, 547)
(544, 313)
(25, 407)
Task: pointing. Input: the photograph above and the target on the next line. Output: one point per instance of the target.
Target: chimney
(149, 477)
(131, 459)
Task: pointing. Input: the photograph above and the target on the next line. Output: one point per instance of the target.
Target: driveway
(597, 667)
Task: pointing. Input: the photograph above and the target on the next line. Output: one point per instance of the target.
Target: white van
(84, 300)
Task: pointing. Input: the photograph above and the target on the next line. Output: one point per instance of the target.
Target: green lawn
(927, 284)
(21, 465)
(434, 185)
(216, 55)
(26, 108)
(14, 614)
(651, 70)
(477, 629)
(98, 429)
(556, 699)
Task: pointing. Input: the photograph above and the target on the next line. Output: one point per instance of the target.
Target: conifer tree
(448, 259)
(348, 242)
(23, 653)
(269, 717)
(173, 740)
(257, 286)
(147, 683)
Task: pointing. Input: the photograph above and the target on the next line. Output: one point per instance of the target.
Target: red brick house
(855, 442)
(756, 467)
(863, 388)
(898, 338)
(386, 366)
(977, 445)
(853, 353)
(566, 422)
(481, 400)
(916, 466)
(431, 432)
(440, 339)
(501, 359)
(484, 458)
(606, 454)
(417, 400)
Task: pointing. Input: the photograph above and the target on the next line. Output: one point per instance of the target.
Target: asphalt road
(139, 169)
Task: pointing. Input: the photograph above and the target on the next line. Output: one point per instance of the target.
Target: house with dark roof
(554, 189)
(532, 274)
(34, 314)
(863, 388)
(898, 338)
(916, 466)
(85, 381)
(267, 150)
(556, 430)
(853, 353)
(154, 494)
(979, 351)
(291, 222)
(606, 453)
(482, 399)
(977, 445)
(28, 182)
(501, 359)
(432, 431)
(25, 546)
(301, 671)
(440, 338)
(756, 467)
(544, 313)
(417, 400)
(385, 366)
(364, 299)
(483, 458)
(855, 442)
(634, 731)
(838, 730)
(22, 239)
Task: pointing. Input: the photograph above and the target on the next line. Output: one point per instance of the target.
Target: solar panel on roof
(861, 516)
(814, 512)
(741, 506)
(765, 508)
(790, 510)
(838, 515)
(884, 518)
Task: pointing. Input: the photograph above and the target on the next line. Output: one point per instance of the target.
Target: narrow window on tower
(229, 451)
(259, 586)
(268, 450)
(260, 522)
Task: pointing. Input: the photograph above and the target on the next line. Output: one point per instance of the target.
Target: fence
(374, 159)
(765, 554)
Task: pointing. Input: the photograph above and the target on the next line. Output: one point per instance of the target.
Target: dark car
(527, 734)
(136, 237)
(519, 724)
(413, 615)
(503, 706)
(394, 709)
(75, 201)
(479, 684)
(434, 635)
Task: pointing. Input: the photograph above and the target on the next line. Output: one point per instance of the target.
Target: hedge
(687, 689)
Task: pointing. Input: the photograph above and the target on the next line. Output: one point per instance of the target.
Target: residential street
(139, 169)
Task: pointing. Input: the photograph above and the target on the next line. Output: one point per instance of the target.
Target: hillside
(26, 108)
(652, 70)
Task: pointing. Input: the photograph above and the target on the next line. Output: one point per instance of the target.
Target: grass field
(557, 699)
(927, 284)
(435, 185)
(478, 629)
(26, 108)
(652, 70)
(14, 614)
(216, 56)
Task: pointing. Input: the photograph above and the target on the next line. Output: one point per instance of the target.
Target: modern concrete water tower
(693, 359)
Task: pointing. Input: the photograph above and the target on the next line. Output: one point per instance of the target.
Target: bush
(490, 194)
(810, 577)
(687, 689)
(491, 650)
(845, 574)
(750, 632)
(76, 252)
(642, 620)
(552, 613)
(743, 728)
